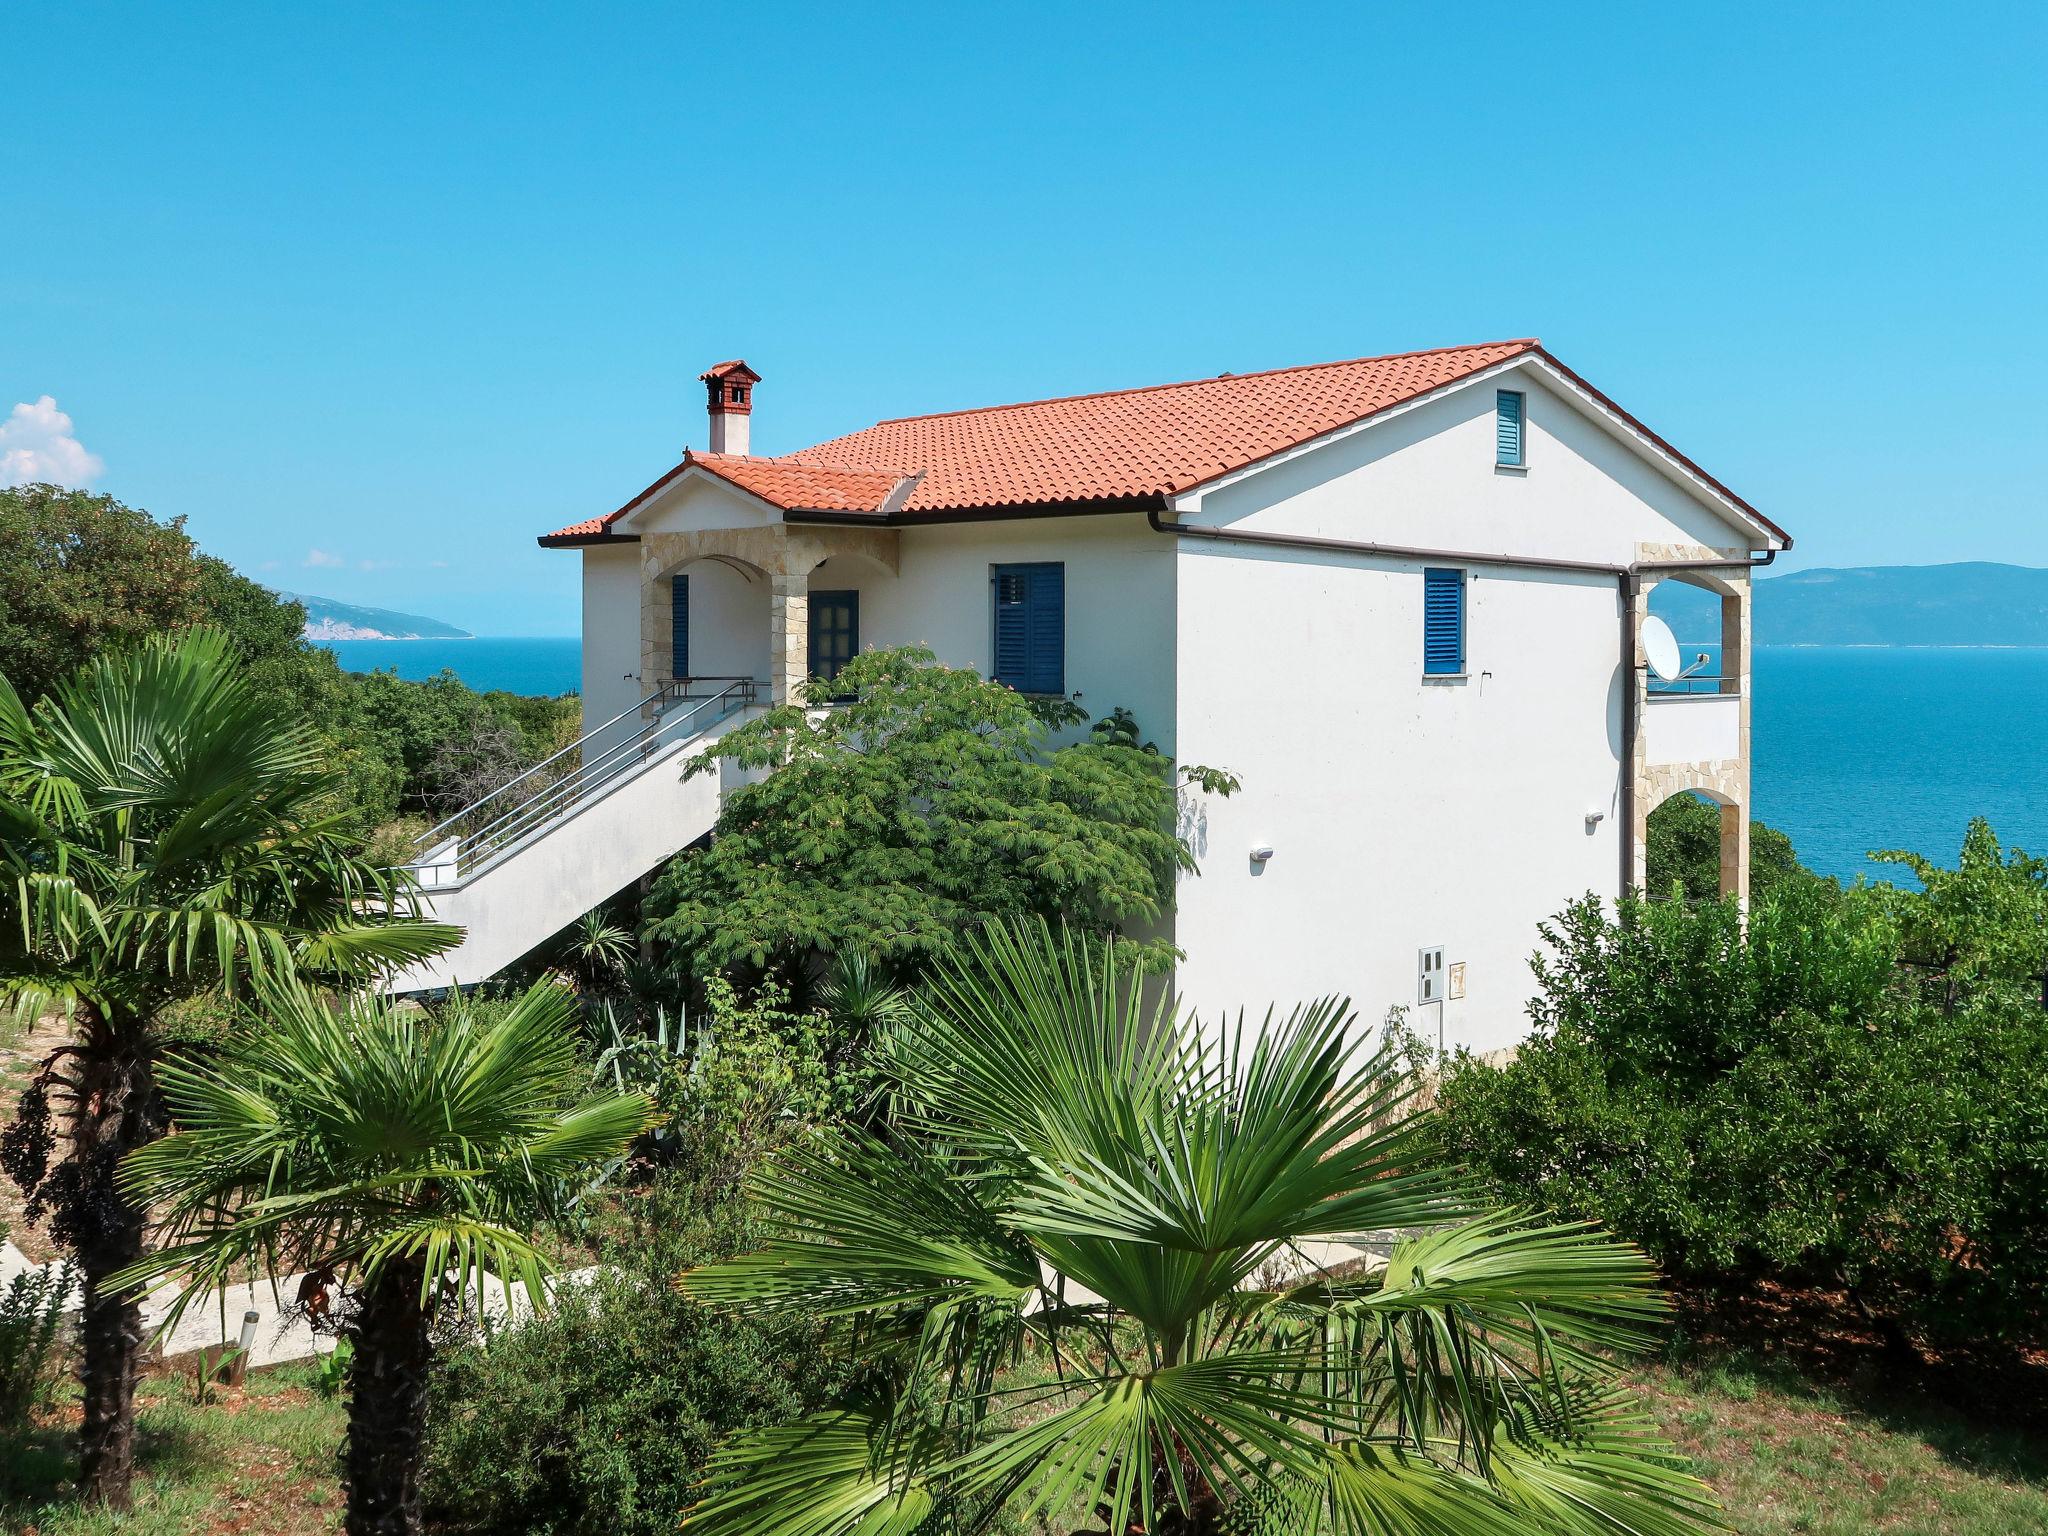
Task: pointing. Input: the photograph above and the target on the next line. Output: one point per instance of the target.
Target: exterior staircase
(533, 856)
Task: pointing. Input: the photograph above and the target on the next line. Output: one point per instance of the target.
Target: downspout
(1626, 577)
(1627, 798)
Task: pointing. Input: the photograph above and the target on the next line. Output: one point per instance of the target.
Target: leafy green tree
(397, 1159)
(1846, 1089)
(1980, 929)
(1077, 1275)
(165, 833)
(82, 576)
(1684, 852)
(927, 802)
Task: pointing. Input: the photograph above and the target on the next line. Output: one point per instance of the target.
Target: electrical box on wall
(1457, 975)
(1429, 975)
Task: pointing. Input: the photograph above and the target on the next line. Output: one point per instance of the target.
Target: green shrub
(31, 1318)
(1805, 1097)
(1683, 853)
(599, 1416)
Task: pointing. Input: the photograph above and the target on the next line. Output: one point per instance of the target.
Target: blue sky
(373, 294)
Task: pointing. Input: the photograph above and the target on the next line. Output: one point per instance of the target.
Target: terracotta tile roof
(1142, 442)
(728, 369)
(1130, 445)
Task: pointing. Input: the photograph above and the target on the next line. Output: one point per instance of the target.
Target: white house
(1400, 597)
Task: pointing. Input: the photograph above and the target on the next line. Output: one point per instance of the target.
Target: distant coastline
(328, 620)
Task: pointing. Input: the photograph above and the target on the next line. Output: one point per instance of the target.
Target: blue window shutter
(1031, 627)
(1507, 427)
(1443, 620)
(679, 626)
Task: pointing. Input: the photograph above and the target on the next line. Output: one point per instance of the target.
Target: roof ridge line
(1531, 342)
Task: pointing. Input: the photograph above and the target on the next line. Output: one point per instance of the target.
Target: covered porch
(772, 604)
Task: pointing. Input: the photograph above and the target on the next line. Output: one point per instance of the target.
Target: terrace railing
(560, 783)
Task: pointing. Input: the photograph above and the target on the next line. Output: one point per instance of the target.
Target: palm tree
(1091, 1273)
(163, 834)
(396, 1159)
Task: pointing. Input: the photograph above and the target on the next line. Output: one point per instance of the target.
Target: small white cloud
(37, 444)
(321, 560)
(270, 565)
(375, 565)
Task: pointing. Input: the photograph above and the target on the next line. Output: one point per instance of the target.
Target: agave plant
(595, 947)
(1117, 1272)
(860, 995)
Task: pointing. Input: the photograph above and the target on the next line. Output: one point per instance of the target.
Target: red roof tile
(805, 483)
(1131, 444)
(1143, 442)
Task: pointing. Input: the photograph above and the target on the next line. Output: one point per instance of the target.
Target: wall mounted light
(1262, 852)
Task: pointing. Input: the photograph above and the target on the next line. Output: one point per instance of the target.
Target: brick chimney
(730, 391)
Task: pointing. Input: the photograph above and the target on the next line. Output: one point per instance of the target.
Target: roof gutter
(1627, 579)
(1213, 535)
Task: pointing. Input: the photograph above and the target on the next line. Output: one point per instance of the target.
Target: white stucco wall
(1426, 477)
(1119, 603)
(611, 631)
(1406, 813)
(1692, 728)
(728, 620)
(1402, 814)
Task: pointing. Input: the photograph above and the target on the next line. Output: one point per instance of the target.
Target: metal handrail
(564, 791)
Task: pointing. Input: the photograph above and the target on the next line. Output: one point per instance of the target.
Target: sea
(1858, 748)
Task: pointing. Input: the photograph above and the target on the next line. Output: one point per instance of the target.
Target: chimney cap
(734, 370)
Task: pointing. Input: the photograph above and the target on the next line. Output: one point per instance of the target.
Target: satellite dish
(1660, 647)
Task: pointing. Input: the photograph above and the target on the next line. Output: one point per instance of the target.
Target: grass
(1787, 1446)
(261, 1458)
(1819, 1442)
(1786, 1453)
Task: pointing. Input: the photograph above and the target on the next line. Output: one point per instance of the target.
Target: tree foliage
(84, 576)
(927, 802)
(166, 833)
(396, 1159)
(1684, 854)
(1075, 1274)
(1852, 1088)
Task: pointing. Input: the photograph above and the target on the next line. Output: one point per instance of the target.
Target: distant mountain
(328, 620)
(1973, 603)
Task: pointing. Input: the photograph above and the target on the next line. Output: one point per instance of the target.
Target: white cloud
(321, 560)
(36, 443)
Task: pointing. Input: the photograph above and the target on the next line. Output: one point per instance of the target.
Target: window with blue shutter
(679, 626)
(1443, 621)
(1507, 428)
(1030, 650)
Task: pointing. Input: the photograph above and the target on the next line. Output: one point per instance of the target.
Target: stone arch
(784, 554)
(1726, 786)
